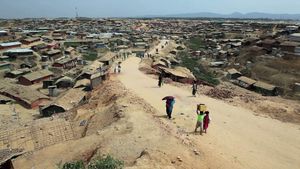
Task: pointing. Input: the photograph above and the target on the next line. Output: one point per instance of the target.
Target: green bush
(100, 163)
(196, 43)
(198, 70)
(73, 165)
(106, 163)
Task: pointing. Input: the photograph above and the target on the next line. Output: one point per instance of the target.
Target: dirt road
(236, 138)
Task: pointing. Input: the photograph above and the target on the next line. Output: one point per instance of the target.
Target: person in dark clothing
(160, 80)
(119, 68)
(170, 101)
(194, 88)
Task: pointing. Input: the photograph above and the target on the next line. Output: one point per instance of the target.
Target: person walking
(170, 101)
(116, 69)
(206, 121)
(119, 67)
(194, 88)
(200, 118)
(160, 80)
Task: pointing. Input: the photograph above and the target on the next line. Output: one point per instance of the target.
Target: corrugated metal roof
(295, 35)
(19, 51)
(10, 44)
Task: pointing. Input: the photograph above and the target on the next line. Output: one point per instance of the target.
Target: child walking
(206, 121)
(200, 118)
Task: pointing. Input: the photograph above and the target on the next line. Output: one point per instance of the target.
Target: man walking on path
(119, 67)
(160, 80)
(170, 101)
(195, 88)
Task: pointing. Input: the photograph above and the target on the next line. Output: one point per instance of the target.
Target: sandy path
(237, 138)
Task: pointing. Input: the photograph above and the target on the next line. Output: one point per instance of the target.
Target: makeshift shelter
(97, 78)
(26, 96)
(108, 58)
(94, 68)
(83, 83)
(245, 82)
(4, 99)
(265, 89)
(65, 82)
(158, 64)
(179, 74)
(73, 97)
(6, 155)
(65, 63)
(233, 74)
(35, 77)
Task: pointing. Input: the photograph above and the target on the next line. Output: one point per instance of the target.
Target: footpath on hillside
(236, 137)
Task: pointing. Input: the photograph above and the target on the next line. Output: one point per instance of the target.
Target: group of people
(203, 118)
(118, 68)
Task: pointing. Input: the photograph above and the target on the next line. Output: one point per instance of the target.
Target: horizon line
(163, 16)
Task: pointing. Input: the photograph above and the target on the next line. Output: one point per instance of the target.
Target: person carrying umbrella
(170, 101)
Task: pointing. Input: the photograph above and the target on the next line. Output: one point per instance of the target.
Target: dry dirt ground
(284, 110)
(117, 122)
(125, 117)
(21, 116)
(237, 137)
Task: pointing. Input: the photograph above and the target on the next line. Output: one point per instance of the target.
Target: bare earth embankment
(237, 137)
(119, 123)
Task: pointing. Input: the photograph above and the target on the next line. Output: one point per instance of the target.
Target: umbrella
(168, 98)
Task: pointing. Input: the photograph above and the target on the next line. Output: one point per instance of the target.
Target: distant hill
(252, 15)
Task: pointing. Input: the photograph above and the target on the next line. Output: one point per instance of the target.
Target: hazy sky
(117, 8)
